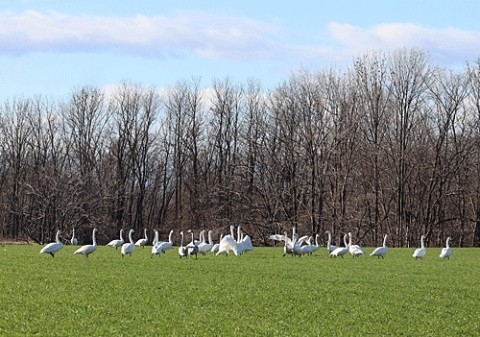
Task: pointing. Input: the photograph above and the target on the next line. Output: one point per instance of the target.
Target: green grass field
(258, 294)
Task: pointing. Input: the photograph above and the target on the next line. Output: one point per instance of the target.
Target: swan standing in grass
(53, 247)
(216, 246)
(420, 253)
(192, 247)
(161, 247)
(73, 240)
(182, 250)
(228, 244)
(143, 241)
(129, 247)
(205, 247)
(447, 251)
(381, 251)
(330, 247)
(341, 251)
(88, 249)
(117, 242)
(355, 250)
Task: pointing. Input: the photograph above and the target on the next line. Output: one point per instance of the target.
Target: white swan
(355, 250)
(182, 250)
(341, 251)
(143, 241)
(192, 247)
(156, 238)
(73, 240)
(117, 242)
(447, 251)
(204, 247)
(53, 247)
(228, 244)
(420, 253)
(128, 247)
(88, 249)
(312, 247)
(161, 247)
(330, 247)
(381, 251)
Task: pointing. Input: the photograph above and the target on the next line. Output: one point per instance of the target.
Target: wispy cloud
(189, 33)
(215, 36)
(443, 43)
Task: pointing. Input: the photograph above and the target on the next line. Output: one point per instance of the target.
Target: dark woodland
(388, 145)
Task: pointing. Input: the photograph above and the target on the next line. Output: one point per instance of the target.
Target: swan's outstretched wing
(279, 237)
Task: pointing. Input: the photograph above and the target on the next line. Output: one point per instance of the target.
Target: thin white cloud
(445, 43)
(190, 33)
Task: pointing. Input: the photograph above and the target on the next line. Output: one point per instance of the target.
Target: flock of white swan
(295, 246)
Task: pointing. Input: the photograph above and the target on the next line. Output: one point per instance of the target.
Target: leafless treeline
(390, 145)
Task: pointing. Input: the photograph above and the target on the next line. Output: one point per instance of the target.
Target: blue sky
(52, 47)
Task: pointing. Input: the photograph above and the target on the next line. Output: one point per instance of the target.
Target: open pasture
(258, 294)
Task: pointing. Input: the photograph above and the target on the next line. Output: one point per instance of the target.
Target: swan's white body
(228, 244)
(355, 250)
(192, 247)
(128, 247)
(53, 247)
(182, 250)
(117, 242)
(420, 253)
(311, 247)
(205, 247)
(330, 247)
(143, 241)
(73, 240)
(88, 249)
(447, 251)
(340, 251)
(161, 247)
(380, 252)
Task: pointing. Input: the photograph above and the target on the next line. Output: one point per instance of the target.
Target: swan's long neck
(294, 234)
(239, 231)
(170, 236)
(285, 233)
(210, 242)
(448, 243)
(73, 233)
(121, 232)
(421, 242)
(193, 241)
(232, 232)
(130, 236)
(316, 239)
(385, 241)
(93, 237)
(349, 239)
(57, 237)
(155, 238)
(181, 239)
(329, 241)
(145, 233)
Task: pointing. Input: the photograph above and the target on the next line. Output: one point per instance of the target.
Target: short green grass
(258, 294)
